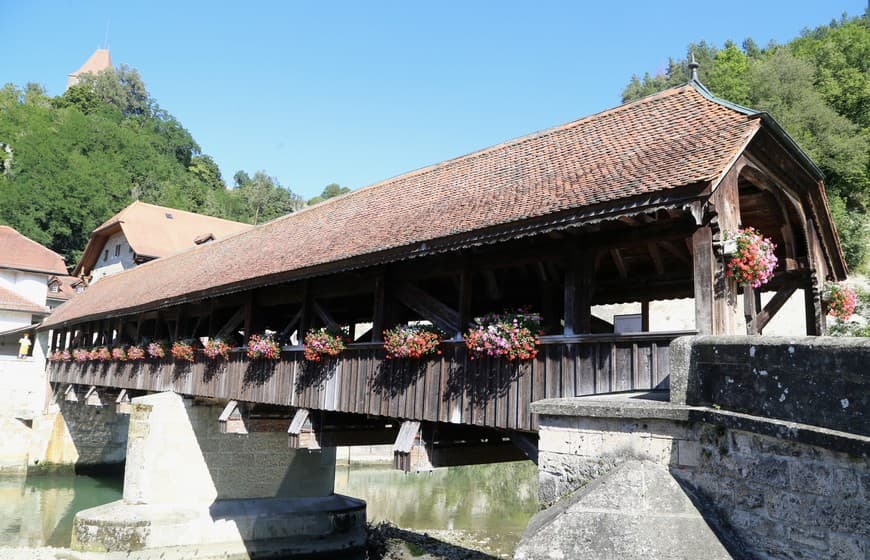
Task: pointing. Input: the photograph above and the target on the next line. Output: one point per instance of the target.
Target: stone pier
(191, 491)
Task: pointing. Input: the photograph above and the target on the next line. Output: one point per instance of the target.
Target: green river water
(491, 504)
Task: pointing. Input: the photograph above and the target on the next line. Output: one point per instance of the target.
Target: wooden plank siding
(448, 388)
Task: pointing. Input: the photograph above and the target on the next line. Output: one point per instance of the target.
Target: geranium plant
(155, 350)
(412, 341)
(512, 335)
(135, 353)
(81, 355)
(65, 356)
(322, 343)
(216, 348)
(263, 347)
(54, 356)
(841, 300)
(182, 351)
(101, 354)
(753, 261)
(119, 354)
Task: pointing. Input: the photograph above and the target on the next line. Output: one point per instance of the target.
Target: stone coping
(655, 405)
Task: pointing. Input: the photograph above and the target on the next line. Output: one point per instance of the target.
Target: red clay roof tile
(22, 253)
(671, 139)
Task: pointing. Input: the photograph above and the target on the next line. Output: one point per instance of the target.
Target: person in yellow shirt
(24, 345)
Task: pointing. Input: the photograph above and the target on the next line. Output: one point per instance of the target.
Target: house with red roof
(25, 269)
(143, 232)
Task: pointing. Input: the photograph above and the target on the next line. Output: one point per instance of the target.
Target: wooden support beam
(92, 397)
(465, 291)
(232, 323)
(656, 257)
(232, 419)
(526, 443)
(675, 252)
(644, 316)
(704, 268)
(324, 316)
(427, 307)
(249, 315)
(579, 288)
(407, 439)
(294, 320)
(620, 264)
(750, 310)
(771, 309)
(294, 432)
(815, 316)
(379, 308)
(305, 317)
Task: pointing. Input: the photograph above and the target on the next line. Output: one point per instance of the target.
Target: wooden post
(378, 310)
(750, 309)
(815, 315)
(249, 315)
(305, 318)
(465, 291)
(579, 286)
(703, 270)
(644, 315)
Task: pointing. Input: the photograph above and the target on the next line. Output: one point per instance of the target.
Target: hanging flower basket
(841, 300)
(753, 260)
(80, 355)
(156, 351)
(321, 343)
(263, 347)
(135, 353)
(101, 354)
(414, 342)
(216, 348)
(182, 351)
(511, 335)
(119, 355)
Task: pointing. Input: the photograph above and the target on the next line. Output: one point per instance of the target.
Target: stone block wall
(813, 380)
(74, 435)
(772, 497)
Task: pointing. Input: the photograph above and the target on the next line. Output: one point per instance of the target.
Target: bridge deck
(451, 388)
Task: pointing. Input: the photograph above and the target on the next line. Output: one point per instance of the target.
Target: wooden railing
(449, 388)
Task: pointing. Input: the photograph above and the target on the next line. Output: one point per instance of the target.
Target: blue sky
(357, 92)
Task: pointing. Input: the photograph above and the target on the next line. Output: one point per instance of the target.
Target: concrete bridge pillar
(195, 492)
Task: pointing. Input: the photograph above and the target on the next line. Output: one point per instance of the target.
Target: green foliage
(262, 198)
(70, 162)
(329, 191)
(859, 324)
(818, 88)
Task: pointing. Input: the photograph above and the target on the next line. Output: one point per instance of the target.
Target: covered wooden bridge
(628, 205)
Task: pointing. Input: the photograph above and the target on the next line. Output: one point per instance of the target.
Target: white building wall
(30, 285)
(12, 320)
(117, 256)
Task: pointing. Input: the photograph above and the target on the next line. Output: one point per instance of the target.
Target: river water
(490, 504)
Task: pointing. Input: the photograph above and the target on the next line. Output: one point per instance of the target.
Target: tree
(263, 198)
(329, 191)
(817, 87)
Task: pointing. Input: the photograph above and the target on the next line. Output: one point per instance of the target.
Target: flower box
(511, 335)
(412, 341)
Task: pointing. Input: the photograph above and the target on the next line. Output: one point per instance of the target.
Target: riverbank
(386, 542)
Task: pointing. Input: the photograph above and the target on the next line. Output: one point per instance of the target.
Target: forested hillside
(68, 163)
(818, 88)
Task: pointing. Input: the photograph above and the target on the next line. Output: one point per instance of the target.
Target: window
(106, 255)
(80, 289)
(54, 288)
(118, 250)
